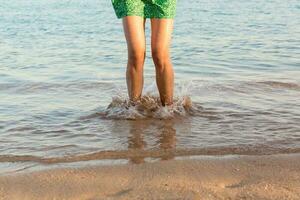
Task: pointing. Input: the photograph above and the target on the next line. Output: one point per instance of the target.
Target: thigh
(134, 30)
(161, 31)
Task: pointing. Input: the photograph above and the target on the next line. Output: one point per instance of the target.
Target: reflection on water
(136, 141)
(166, 140)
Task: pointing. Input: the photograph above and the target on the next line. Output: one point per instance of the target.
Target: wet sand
(223, 177)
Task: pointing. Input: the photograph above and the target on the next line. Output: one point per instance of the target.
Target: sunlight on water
(63, 95)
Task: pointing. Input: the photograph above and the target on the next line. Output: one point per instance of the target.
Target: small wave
(151, 153)
(278, 84)
(29, 87)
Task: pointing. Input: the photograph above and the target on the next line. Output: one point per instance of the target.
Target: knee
(160, 57)
(136, 57)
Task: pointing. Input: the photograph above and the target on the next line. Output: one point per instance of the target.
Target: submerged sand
(237, 177)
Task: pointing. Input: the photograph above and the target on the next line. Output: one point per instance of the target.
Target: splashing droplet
(148, 106)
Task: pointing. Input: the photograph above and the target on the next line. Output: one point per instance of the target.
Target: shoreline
(220, 177)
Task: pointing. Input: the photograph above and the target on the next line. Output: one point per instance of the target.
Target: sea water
(63, 89)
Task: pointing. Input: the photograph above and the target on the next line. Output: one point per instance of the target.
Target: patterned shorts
(145, 8)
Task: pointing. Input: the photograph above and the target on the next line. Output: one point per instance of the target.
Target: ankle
(167, 104)
(134, 101)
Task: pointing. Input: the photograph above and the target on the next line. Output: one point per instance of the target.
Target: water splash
(149, 106)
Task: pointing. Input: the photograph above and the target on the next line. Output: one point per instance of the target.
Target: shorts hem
(145, 16)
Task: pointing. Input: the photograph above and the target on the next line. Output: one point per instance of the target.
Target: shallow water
(62, 63)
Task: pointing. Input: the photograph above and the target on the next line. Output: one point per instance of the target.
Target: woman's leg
(161, 31)
(134, 29)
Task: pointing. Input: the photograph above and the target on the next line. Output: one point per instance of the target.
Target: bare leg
(134, 30)
(161, 31)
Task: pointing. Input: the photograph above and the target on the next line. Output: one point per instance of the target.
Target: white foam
(149, 106)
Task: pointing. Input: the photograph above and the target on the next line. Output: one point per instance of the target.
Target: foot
(167, 104)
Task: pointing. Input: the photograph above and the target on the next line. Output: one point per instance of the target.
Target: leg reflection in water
(167, 141)
(136, 142)
(151, 139)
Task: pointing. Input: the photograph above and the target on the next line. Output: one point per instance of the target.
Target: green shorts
(145, 8)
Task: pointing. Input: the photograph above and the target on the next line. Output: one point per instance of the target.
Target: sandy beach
(223, 177)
